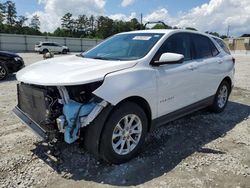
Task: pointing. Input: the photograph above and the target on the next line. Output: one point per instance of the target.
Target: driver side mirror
(170, 58)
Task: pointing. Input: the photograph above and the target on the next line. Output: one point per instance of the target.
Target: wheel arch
(229, 81)
(140, 101)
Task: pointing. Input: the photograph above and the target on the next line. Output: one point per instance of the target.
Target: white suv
(114, 94)
(44, 47)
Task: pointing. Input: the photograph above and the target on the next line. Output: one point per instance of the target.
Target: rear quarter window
(222, 45)
(204, 47)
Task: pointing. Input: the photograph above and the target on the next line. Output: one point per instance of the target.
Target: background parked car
(9, 63)
(44, 47)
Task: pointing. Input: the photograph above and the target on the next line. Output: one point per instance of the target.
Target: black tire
(107, 152)
(64, 51)
(216, 106)
(45, 51)
(3, 71)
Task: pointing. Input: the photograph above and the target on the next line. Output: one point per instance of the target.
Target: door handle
(220, 61)
(192, 67)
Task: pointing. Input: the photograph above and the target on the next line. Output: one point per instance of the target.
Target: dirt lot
(200, 150)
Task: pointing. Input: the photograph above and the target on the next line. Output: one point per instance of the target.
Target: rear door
(47, 45)
(208, 69)
(57, 47)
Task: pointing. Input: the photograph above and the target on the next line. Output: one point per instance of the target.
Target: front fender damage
(76, 115)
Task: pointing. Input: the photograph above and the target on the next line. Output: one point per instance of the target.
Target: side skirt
(182, 112)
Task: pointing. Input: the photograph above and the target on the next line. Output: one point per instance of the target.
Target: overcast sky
(205, 15)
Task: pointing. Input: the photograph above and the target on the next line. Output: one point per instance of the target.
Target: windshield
(124, 47)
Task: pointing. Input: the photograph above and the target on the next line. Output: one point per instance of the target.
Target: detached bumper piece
(39, 131)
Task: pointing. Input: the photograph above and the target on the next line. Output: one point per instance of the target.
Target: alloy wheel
(126, 134)
(222, 97)
(2, 72)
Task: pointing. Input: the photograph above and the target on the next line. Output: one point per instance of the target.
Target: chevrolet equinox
(114, 94)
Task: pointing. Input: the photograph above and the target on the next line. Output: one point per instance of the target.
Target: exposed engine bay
(60, 109)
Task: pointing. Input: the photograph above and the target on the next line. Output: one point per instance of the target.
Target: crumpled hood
(69, 70)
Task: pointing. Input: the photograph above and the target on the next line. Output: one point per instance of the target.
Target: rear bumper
(38, 130)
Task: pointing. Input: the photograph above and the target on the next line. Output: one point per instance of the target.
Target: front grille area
(31, 100)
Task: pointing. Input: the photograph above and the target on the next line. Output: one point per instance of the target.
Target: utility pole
(228, 29)
(141, 20)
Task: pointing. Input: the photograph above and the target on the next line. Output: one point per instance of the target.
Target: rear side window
(203, 46)
(46, 44)
(55, 44)
(178, 43)
(222, 45)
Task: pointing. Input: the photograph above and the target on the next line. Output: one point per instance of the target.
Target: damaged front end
(50, 110)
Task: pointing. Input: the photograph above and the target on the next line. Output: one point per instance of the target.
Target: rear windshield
(222, 45)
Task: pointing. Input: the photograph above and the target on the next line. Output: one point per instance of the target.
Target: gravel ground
(199, 150)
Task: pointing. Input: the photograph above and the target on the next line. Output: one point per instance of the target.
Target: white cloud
(50, 18)
(217, 15)
(126, 3)
(122, 17)
(213, 16)
(157, 15)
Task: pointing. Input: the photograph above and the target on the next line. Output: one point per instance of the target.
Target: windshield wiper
(79, 55)
(104, 58)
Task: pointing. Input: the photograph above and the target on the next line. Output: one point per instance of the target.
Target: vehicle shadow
(10, 77)
(164, 149)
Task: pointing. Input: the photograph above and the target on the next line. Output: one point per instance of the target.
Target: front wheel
(124, 133)
(221, 97)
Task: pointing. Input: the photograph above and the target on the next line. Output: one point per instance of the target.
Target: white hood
(70, 70)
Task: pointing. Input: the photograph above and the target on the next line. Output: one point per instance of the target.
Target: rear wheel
(65, 51)
(221, 97)
(45, 51)
(3, 71)
(123, 134)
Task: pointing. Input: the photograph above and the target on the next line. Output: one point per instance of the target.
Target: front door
(177, 84)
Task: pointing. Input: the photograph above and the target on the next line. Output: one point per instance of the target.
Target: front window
(124, 47)
(178, 43)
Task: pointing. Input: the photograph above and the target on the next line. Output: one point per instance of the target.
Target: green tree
(82, 23)
(134, 24)
(2, 13)
(159, 26)
(35, 23)
(10, 11)
(213, 33)
(191, 28)
(223, 36)
(20, 21)
(245, 35)
(67, 22)
(104, 27)
(92, 22)
(60, 32)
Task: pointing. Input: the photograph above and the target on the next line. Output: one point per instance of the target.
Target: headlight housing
(18, 58)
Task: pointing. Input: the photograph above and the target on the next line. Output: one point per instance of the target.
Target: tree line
(12, 23)
(94, 27)
(82, 26)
